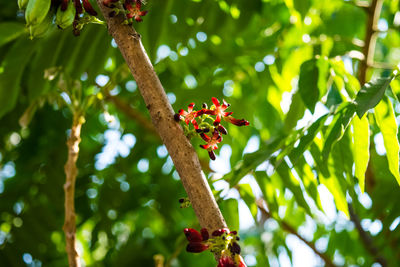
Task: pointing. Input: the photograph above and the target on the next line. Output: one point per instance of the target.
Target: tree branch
(373, 13)
(71, 172)
(287, 227)
(181, 151)
(366, 239)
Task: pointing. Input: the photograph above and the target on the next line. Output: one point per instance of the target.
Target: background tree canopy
(314, 180)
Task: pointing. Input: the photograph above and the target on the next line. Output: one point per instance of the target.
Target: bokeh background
(248, 52)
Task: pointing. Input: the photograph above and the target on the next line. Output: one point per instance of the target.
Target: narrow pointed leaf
(247, 195)
(341, 122)
(361, 148)
(308, 83)
(386, 121)
(14, 64)
(251, 161)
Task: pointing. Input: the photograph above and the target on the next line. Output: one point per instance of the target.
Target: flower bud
(192, 235)
(196, 247)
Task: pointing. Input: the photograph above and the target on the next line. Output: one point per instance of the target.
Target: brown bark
(71, 172)
(181, 151)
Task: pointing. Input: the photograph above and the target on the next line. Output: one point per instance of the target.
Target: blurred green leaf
(230, 210)
(386, 120)
(293, 185)
(339, 125)
(308, 83)
(302, 6)
(361, 148)
(247, 195)
(14, 62)
(10, 31)
(251, 161)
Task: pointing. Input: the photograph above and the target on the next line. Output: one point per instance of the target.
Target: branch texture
(71, 172)
(181, 151)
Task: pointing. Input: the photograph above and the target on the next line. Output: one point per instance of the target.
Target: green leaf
(370, 94)
(247, 195)
(339, 126)
(251, 161)
(296, 111)
(361, 148)
(10, 31)
(306, 139)
(230, 211)
(14, 65)
(386, 121)
(268, 190)
(308, 83)
(334, 185)
(293, 185)
(302, 6)
(309, 180)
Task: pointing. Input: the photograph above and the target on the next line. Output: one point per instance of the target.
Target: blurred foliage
(289, 67)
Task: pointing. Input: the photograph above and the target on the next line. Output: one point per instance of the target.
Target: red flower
(237, 122)
(88, 8)
(227, 261)
(211, 143)
(190, 115)
(196, 247)
(64, 5)
(134, 11)
(196, 244)
(109, 3)
(192, 235)
(219, 110)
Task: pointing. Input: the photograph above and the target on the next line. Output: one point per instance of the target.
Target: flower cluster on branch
(222, 243)
(208, 120)
(132, 9)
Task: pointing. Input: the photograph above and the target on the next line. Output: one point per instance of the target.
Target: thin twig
(287, 227)
(181, 151)
(366, 239)
(132, 113)
(71, 172)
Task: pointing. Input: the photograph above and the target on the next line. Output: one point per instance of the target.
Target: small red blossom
(88, 8)
(78, 6)
(237, 122)
(204, 234)
(222, 129)
(64, 5)
(227, 260)
(133, 7)
(109, 3)
(189, 116)
(192, 235)
(212, 143)
(222, 242)
(197, 241)
(219, 232)
(196, 247)
(219, 110)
